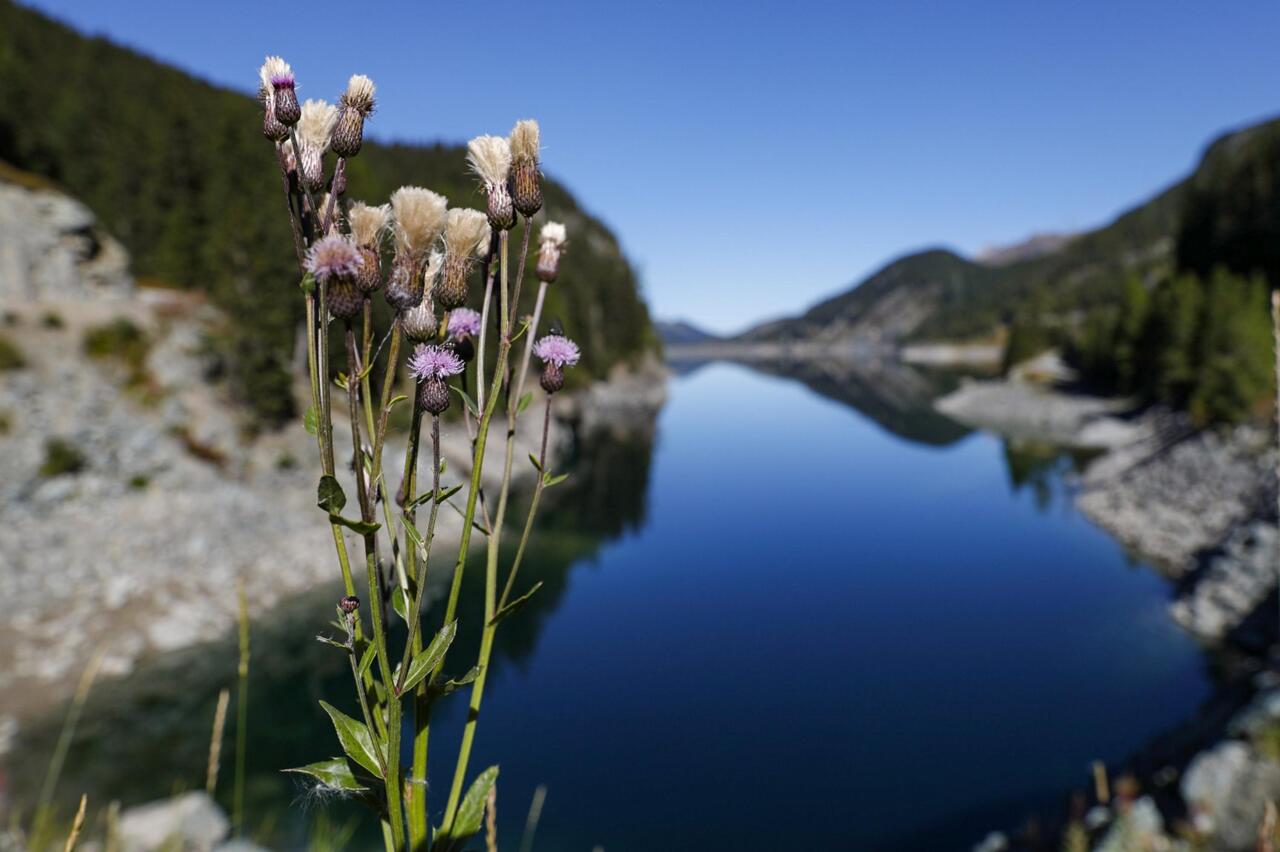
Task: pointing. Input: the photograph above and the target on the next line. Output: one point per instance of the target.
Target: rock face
(52, 248)
(1234, 584)
(192, 823)
(1226, 790)
(140, 549)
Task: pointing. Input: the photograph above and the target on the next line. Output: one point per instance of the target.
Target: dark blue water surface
(791, 615)
(826, 636)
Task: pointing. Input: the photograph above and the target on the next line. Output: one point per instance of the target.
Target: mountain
(682, 333)
(1226, 213)
(177, 169)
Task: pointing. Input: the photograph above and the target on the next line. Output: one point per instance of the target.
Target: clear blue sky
(755, 157)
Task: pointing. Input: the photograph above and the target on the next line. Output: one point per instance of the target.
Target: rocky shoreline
(1200, 507)
(135, 546)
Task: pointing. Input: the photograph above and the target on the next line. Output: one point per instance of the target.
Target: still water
(786, 616)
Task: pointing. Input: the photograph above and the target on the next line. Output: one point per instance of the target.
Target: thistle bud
(490, 158)
(335, 262)
(464, 235)
(552, 378)
(315, 128)
(274, 68)
(433, 395)
(551, 245)
(419, 322)
(431, 365)
(368, 224)
(556, 352)
(349, 604)
(526, 177)
(355, 106)
(404, 285)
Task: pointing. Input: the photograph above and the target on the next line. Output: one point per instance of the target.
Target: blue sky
(754, 157)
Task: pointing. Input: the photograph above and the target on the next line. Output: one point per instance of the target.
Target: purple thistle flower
(282, 81)
(463, 322)
(430, 361)
(557, 349)
(334, 256)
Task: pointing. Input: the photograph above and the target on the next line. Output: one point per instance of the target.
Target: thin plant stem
(288, 203)
(322, 356)
(353, 403)
(524, 253)
(242, 713)
(363, 697)
(328, 219)
(77, 824)
(44, 804)
(531, 821)
(522, 373)
(494, 239)
(421, 704)
(1275, 334)
(533, 507)
(215, 742)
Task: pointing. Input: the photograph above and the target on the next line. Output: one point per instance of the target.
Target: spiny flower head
(552, 236)
(430, 361)
(420, 216)
(551, 244)
(359, 95)
(490, 158)
(557, 349)
(369, 222)
(525, 141)
(463, 322)
(465, 231)
(526, 179)
(276, 74)
(316, 124)
(334, 257)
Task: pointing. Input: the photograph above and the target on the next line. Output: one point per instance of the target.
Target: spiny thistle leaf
(355, 738)
(429, 657)
(439, 690)
(335, 772)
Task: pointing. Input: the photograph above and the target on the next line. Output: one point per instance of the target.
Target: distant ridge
(682, 333)
(1224, 213)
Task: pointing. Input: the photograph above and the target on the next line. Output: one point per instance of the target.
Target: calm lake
(788, 615)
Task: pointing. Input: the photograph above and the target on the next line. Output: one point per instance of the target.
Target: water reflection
(145, 736)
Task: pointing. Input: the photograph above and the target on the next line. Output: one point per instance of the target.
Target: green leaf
(429, 657)
(533, 460)
(467, 401)
(307, 284)
(524, 402)
(362, 527)
(548, 480)
(329, 495)
(439, 690)
(395, 400)
(356, 740)
(400, 603)
(335, 772)
(366, 662)
(446, 493)
(511, 608)
(334, 642)
(470, 814)
(311, 421)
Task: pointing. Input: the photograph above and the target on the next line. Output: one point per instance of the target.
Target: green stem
(533, 507)
(495, 540)
(421, 709)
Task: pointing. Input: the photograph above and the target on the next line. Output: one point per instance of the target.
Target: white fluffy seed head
(316, 124)
(465, 231)
(552, 236)
(420, 216)
(368, 223)
(359, 94)
(525, 140)
(273, 67)
(490, 158)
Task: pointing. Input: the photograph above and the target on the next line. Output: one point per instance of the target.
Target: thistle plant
(434, 253)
